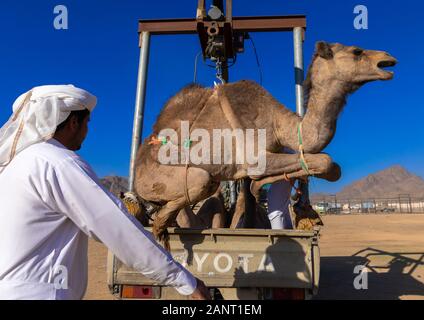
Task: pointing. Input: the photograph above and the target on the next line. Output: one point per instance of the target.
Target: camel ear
(323, 49)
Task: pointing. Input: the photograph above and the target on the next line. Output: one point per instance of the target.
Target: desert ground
(391, 246)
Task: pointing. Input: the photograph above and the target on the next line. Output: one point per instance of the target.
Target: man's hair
(80, 115)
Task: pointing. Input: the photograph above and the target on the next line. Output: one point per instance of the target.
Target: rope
(187, 196)
(232, 119)
(187, 145)
(227, 110)
(303, 163)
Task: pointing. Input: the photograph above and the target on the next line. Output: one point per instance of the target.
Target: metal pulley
(215, 13)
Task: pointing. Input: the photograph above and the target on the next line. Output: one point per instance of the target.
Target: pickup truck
(253, 264)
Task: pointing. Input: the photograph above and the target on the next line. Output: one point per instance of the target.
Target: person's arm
(78, 194)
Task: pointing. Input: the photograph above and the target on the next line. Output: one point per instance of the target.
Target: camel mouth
(383, 65)
(386, 64)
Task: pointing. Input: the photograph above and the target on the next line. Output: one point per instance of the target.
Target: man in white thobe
(279, 201)
(52, 201)
(278, 205)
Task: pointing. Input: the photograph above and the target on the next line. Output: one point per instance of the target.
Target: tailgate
(238, 258)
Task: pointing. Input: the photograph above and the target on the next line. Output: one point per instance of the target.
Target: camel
(211, 213)
(336, 71)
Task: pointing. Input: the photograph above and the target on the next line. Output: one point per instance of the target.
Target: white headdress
(36, 115)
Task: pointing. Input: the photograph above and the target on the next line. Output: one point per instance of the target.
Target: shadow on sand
(390, 275)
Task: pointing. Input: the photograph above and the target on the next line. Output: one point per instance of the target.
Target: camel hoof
(162, 236)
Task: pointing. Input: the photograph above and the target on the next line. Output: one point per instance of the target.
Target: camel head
(351, 65)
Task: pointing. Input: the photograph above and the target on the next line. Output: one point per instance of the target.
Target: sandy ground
(390, 246)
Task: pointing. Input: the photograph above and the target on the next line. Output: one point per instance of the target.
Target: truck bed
(240, 258)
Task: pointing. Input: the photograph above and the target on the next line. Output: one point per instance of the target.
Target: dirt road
(390, 246)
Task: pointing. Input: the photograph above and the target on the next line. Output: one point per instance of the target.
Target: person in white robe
(278, 203)
(51, 201)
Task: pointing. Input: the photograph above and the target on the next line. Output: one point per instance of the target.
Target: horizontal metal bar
(271, 23)
(242, 232)
(248, 24)
(172, 26)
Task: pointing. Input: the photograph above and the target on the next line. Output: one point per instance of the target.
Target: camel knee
(255, 188)
(325, 163)
(333, 174)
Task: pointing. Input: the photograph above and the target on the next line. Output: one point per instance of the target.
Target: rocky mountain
(388, 183)
(115, 184)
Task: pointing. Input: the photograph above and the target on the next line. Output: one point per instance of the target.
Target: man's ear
(323, 49)
(73, 123)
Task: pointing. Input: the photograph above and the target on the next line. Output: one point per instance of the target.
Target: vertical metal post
(299, 70)
(201, 11)
(139, 103)
(300, 99)
(229, 11)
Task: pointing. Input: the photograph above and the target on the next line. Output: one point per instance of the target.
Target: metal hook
(219, 72)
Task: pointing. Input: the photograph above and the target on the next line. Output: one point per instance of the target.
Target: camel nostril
(386, 64)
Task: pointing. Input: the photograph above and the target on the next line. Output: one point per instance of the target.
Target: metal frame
(253, 24)
(297, 24)
(139, 103)
(298, 37)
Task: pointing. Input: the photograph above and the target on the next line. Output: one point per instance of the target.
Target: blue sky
(382, 124)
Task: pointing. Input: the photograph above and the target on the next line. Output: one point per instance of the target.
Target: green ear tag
(163, 140)
(187, 143)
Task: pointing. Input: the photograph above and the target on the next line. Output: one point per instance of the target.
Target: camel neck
(319, 124)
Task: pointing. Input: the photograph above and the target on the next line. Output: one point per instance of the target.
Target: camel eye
(358, 52)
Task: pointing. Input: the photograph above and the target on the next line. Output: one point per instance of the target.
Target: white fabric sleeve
(77, 193)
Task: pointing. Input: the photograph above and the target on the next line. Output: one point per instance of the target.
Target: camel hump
(249, 99)
(244, 88)
(184, 106)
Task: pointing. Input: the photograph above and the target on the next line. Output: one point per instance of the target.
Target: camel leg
(219, 216)
(164, 218)
(211, 214)
(333, 174)
(279, 163)
(200, 186)
(218, 219)
(246, 207)
(186, 218)
(239, 209)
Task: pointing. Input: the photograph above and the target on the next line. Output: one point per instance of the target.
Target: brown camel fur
(210, 214)
(335, 72)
